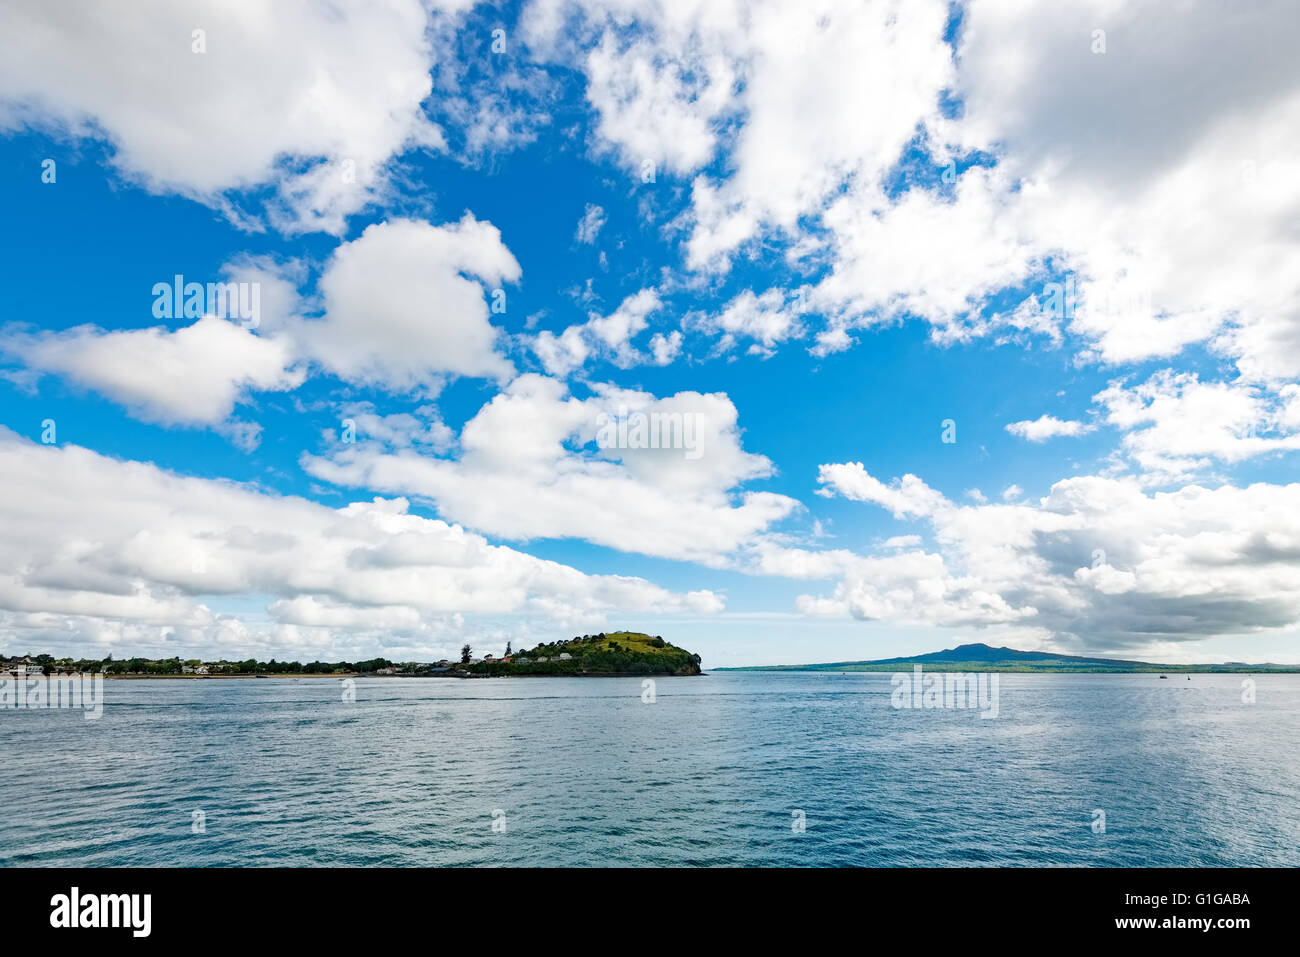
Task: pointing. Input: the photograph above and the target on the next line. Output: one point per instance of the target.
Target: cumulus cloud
(532, 465)
(929, 255)
(655, 110)
(309, 102)
(194, 375)
(668, 82)
(1165, 199)
(422, 428)
(1097, 563)
(608, 336)
(404, 308)
(907, 497)
(665, 348)
(404, 305)
(1047, 427)
(1176, 426)
(92, 539)
(767, 319)
(1161, 189)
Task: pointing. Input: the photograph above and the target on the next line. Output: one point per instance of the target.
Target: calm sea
(715, 771)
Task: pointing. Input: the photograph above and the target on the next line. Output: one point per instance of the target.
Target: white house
(565, 656)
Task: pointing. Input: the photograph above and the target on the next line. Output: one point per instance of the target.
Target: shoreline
(602, 674)
(354, 674)
(351, 674)
(940, 667)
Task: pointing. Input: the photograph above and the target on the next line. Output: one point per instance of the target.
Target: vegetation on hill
(615, 653)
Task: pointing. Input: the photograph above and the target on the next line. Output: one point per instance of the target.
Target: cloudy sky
(980, 321)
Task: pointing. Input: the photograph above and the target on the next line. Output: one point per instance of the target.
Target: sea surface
(715, 771)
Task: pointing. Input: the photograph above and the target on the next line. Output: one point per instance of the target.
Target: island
(617, 654)
(980, 657)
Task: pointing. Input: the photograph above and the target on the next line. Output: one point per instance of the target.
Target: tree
(465, 655)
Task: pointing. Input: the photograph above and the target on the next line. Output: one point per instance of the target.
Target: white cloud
(1097, 563)
(528, 470)
(1168, 201)
(311, 101)
(91, 540)
(488, 99)
(401, 310)
(617, 330)
(926, 255)
(423, 428)
(665, 348)
(1176, 426)
(593, 218)
(1164, 191)
(768, 319)
(905, 498)
(561, 355)
(819, 92)
(654, 109)
(1047, 427)
(194, 375)
(808, 127)
(608, 336)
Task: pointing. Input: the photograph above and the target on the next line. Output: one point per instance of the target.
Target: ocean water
(584, 772)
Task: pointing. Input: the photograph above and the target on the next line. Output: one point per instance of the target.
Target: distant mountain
(988, 654)
(981, 657)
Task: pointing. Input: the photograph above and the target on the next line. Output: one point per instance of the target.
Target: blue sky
(834, 239)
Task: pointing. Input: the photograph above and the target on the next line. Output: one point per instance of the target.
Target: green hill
(615, 653)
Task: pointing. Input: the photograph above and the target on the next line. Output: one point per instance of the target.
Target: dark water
(285, 772)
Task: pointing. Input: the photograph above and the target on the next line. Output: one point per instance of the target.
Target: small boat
(1163, 677)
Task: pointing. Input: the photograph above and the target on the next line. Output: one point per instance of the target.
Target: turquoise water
(285, 772)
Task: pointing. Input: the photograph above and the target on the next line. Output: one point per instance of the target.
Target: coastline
(351, 674)
(358, 674)
(763, 669)
(985, 669)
